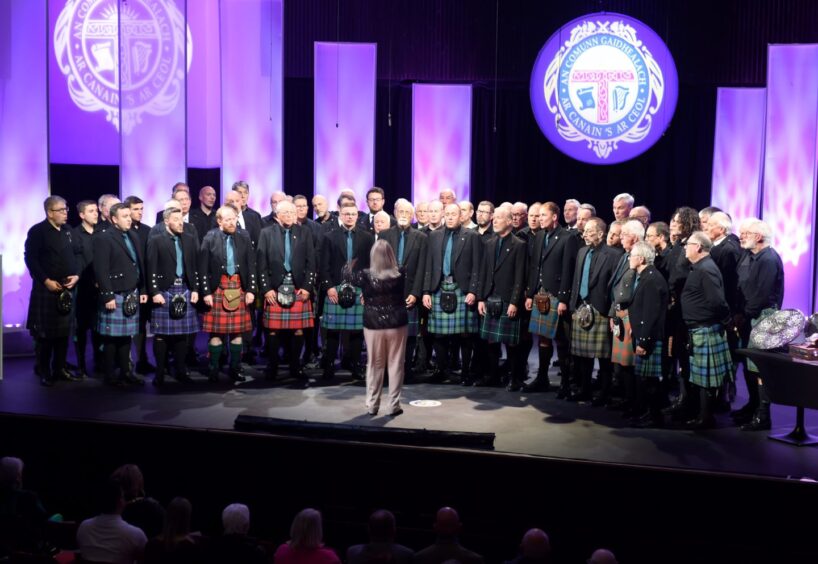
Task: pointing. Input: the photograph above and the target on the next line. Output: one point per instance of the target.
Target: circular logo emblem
(129, 56)
(604, 88)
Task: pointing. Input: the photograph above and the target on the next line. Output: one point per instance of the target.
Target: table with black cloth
(789, 381)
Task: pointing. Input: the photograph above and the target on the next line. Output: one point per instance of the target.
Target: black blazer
(553, 268)
(620, 286)
(143, 233)
(466, 255)
(726, 256)
(648, 309)
(414, 257)
(270, 258)
(603, 263)
(161, 262)
(504, 277)
(202, 221)
(213, 261)
(114, 269)
(365, 223)
(159, 229)
(252, 224)
(334, 255)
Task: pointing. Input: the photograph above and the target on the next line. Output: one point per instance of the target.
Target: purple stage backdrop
(152, 83)
(790, 165)
(252, 33)
(441, 140)
(344, 119)
(738, 153)
(23, 143)
(204, 113)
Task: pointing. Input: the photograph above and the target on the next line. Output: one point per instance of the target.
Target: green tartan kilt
(545, 325)
(751, 366)
(336, 318)
(593, 343)
(710, 361)
(622, 350)
(650, 366)
(464, 319)
(500, 329)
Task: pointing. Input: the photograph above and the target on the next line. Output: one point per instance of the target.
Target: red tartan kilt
(299, 316)
(220, 321)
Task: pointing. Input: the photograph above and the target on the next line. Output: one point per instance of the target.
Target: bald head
(447, 196)
(536, 545)
(451, 216)
(233, 198)
(602, 556)
(447, 522)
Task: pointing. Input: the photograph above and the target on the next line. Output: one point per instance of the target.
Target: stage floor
(524, 424)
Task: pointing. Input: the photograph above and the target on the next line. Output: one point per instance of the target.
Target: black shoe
(758, 424)
(47, 382)
(539, 384)
(580, 397)
(397, 412)
(270, 372)
(599, 401)
(356, 373)
(742, 419)
(66, 375)
(437, 377)
(563, 393)
(328, 373)
(700, 424)
(213, 375)
(485, 382)
(298, 374)
(134, 380)
(116, 382)
(145, 367)
(744, 412)
(183, 378)
(514, 386)
(158, 381)
(649, 421)
(466, 381)
(618, 405)
(235, 375)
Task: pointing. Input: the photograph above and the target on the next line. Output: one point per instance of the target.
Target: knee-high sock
(160, 353)
(494, 352)
(331, 348)
(466, 349)
(356, 341)
(123, 355)
(215, 355)
(44, 353)
(296, 344)
(180, 348)
(441, 346)
(272, 344)
(235, 355)
(545, 354)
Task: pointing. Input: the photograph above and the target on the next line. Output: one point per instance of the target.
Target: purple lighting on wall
(441, 140)
(344, 118)
(153, 140)
(790, 164)
(23, 143)
(204, 114)
(251, 83)
(738, 153)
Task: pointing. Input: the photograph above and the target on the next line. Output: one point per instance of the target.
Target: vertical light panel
(252, 36)
(344, 118)
(441, 140)
(83, 89)
(204, 112)
(738, 154)
(154, 46)
(789, 164)
(23, 142)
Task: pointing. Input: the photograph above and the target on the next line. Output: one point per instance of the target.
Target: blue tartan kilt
(44, 321)
(336, 318)
(299, 316)
(464, 319)
(545, 325)
(650, 366)
(113, 323)
(413, 328)
(710, 361)
(594, 342)
(161, 322)
(500, 329)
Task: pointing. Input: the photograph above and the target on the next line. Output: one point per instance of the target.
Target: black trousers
(356, 340)
(117, 354)
(178, 345)
(51, 355)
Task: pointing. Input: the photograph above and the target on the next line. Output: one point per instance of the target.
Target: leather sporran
(346, 295)
(178, 307)
(130, 305)
(231, 299)
(65, 301)
(542, 301)
(494, 307)
(286, 292)
(448, 297)
(618, 328)
(585, 316)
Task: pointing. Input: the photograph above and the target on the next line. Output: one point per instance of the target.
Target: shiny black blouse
(384, 302)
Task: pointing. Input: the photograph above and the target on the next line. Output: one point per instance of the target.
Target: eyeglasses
(59, 210)
(692, 243)
(352, 214)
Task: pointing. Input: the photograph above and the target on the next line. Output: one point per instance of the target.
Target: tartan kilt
(593, 343)
(161, 322)
(44, 321)
(710, 361)
(299, 316)
(751, 366)
(545, 325)
(464, 319)
(500, 329)
(413, 327)
(650, 366)
(222, 322)
(113, 323)
(622, 351)
(336, 318)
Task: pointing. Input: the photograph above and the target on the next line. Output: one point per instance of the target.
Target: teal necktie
(498, 250)
(635, 282)
(231, 256)
(131, 250)
(180, 266)
(287, 250)
(447, 255)
(400, 248)
(586, 274)
(349, 246)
